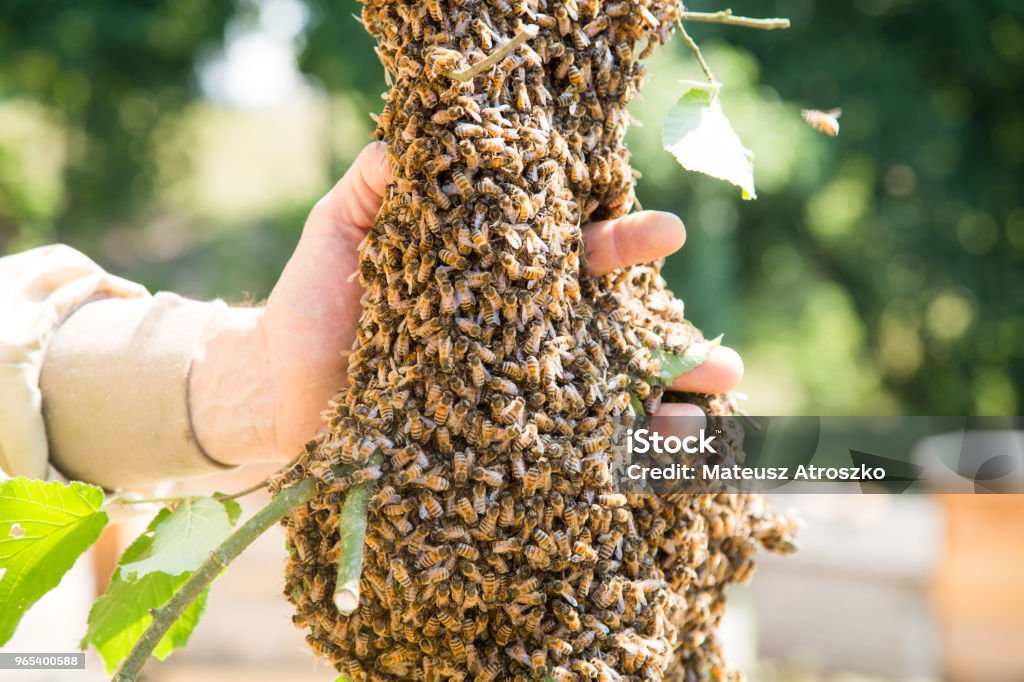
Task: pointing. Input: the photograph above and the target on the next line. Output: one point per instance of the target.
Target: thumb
(354, 200)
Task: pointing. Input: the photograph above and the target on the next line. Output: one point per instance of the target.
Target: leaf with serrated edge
(675, 365)
(701, 138)
(121, 615)
(183, 539)
(44, 528)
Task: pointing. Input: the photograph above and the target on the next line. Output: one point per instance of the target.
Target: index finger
(635, 238)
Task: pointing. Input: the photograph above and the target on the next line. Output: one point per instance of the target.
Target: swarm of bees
(491, 375)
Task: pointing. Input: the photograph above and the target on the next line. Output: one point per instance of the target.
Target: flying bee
(823, 121)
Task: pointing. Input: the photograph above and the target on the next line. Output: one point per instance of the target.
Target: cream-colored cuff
(38, 290)
(115, 391)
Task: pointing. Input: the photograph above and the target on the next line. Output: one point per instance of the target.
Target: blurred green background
(181, 144)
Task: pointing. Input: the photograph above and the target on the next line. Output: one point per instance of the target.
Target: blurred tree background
(181, 144)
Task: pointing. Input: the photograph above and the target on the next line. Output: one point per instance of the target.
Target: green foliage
(111, 71)
(888, 256)
(44, 528)
(697, 132)
(180, 541)
(874, 273)
(122, 614)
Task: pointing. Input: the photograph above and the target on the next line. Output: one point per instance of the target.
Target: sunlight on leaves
(44, 528)
(122, 614)
(184, 538)
(701, 138)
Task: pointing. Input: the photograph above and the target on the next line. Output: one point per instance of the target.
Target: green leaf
(637, 405)
(701, 138)
(233, 509)
(184, 538)
(675, 365)
(118, 618)
(44, 528)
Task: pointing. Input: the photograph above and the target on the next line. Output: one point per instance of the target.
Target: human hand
(260, 380)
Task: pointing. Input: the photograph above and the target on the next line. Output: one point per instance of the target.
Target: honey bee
(533, 620)
(462, 182)
(436, 574)
(583, 552)
(489, 524)
(464, 508)
(443, 440)
(468, 327)
(478, 374)
(536, 333)
(562, 17)
(508, 340)
(453, 259)
(317, 588)
(469, 130)
(400, 573)
(488, 477)
(437, 164)
(823, 121)
(434, 7)
(447, 292)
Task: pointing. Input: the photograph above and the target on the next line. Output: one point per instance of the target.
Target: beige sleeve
(106, 363)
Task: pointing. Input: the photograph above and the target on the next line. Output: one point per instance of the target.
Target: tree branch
(726, 17)
(490, 60)
(282, 503)
(352, 529)
(696, 51)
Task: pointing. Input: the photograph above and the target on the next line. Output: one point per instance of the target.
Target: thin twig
(218, 496)
(281, 504)
(726, 17)
(697, 52)
(352, 531)
(262, 485)
(490, 60)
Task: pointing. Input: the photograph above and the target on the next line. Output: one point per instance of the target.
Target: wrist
(231, 397)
